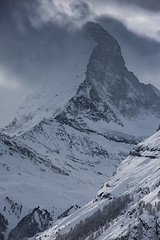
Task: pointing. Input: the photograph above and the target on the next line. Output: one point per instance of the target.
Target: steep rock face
(127, 207)
(36, 221)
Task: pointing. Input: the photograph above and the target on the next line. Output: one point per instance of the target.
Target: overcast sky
(35, 36)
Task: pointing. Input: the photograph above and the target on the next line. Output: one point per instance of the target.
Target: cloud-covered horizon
(37, 37)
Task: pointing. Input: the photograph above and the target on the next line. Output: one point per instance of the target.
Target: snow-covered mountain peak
(93, 83)
(109, 92)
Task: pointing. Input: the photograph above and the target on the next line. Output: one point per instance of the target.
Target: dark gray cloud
(31, 49)
(142, 45)
(152, 5)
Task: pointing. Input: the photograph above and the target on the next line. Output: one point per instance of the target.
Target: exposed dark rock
(3, 226)
(36, 221)
(66, 213)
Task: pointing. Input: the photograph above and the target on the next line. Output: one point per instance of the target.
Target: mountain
(109, 91)
(70, 136)
(94, 86)
(126, 207)
(21, 176)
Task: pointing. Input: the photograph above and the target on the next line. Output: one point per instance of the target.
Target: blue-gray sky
(35, 36)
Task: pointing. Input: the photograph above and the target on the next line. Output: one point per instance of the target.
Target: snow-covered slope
(137, 183)
(29, 179)
(81, 127)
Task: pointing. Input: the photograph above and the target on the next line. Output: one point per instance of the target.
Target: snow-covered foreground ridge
(69, 137)
(138, 176)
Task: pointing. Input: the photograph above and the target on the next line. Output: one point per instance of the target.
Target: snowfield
(138, 176)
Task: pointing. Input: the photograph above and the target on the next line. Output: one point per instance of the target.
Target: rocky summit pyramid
(109, 91)
(70, 136)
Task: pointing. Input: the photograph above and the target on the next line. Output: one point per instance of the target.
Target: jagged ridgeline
(70, 136)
